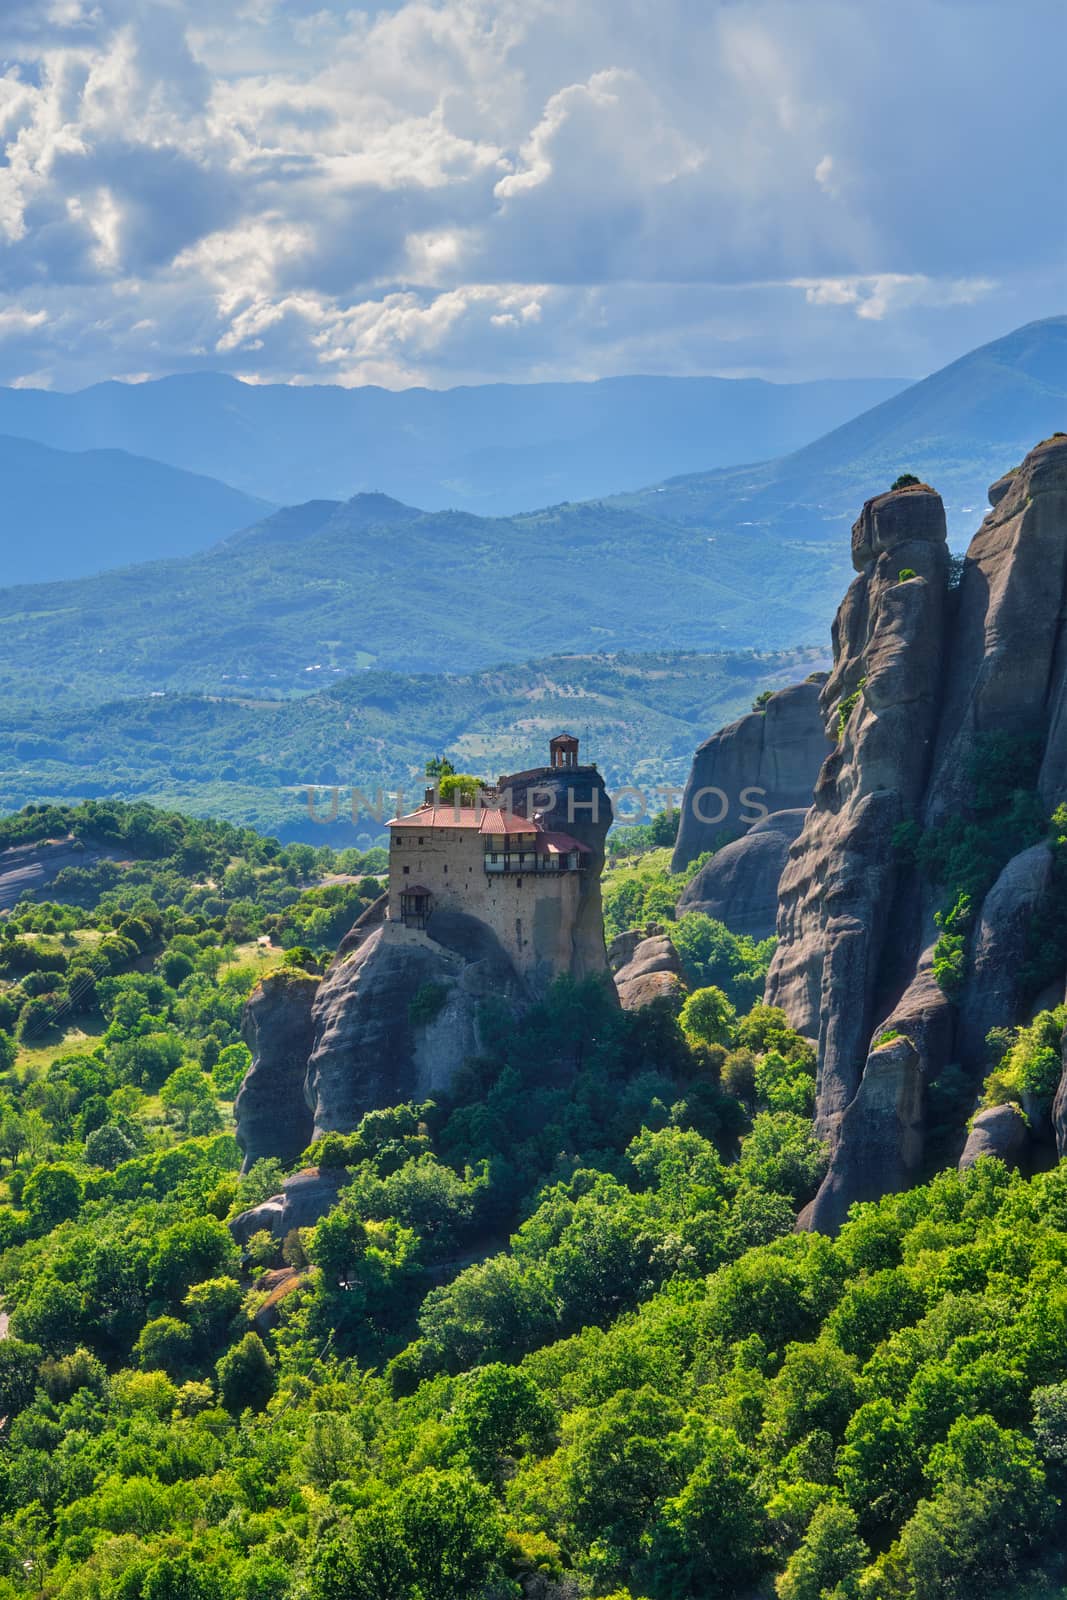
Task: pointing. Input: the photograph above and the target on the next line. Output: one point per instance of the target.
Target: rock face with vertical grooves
(836, 897)
(765, 762)
(272, 1115)
(1059, 1107)
(739, 885)
(920, 679)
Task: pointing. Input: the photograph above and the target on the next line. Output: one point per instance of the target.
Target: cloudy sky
(453, 191)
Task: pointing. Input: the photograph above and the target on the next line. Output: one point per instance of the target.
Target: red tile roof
(487, 819)
(559, 844)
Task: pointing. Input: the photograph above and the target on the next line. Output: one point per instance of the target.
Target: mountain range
(719, 560)
(494, 450)
(77, 512)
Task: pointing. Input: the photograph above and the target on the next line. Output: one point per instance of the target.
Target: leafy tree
(711, 1537)
(501, 1412)
(783, 1154)
(52, 1195)
(18, 1374)
(229, 1071)
(830, 1559)
(246, 1375)
(107, 1146)
(452, 1532)
(708, 1016)
(165, 1345)
(211, 1307)
(188, 1252)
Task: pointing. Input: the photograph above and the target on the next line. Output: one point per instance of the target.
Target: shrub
(246, 1375)
(428, 1002)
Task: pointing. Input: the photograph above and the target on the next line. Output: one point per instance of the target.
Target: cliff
(271, 1113)
(396, 1015)
(739, 885)
(939, 698)
(765, 762)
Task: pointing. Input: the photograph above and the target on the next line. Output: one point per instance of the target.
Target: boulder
(264, 1218)
(279, 1286)
(765, 762)
(739, 885)
(653, 972)
(999, 1131)
(305, 1197)
(271, 1112)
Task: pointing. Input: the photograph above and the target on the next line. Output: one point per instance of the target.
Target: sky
(460, 191)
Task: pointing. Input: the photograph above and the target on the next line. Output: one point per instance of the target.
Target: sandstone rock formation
(304, 1198)
(994, 996)
(739, 885)
(998, 1131)
(272, 1115)
(921, 678)
(396, 1015)
(838, 889)
(653, 971)
(765, 762)
(375, 1045)
(35, 866)
(1059, 1107)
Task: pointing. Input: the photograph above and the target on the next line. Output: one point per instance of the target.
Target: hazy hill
(638, 716)
(753, 556)
(495, 449)
(76, 513)
(959, 428)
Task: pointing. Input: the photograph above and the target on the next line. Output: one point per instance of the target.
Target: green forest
(250, 760)
(558, 1338)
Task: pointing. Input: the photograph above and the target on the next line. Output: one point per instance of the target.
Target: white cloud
(882, 294)
(437, 189)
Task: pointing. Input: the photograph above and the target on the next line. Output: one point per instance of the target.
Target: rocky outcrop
(271, 1112)
(1059, 1107)
(36, 866)
(277, 1286)
(1000, 1131)
(837, 893)
(879, 1141)
(396, 1018)
(739, 885)
(305, 1197)
(653, 971)
(920, 681)
(765, 762)
(1008, 660)
(994, 995)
